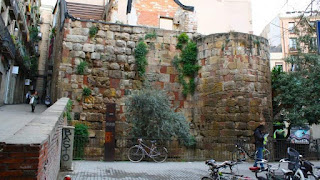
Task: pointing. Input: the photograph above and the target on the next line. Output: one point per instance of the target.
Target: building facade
(19, 48)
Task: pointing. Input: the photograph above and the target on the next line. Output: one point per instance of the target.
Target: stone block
(110, 50)
(120, 43)
(164, 77)
(131, 59)
(101, 34)
(99, 48)
(95, 117)
(138, 30)
(126, 29)
(68, 45)
(88, 47)
(128, 51)
(77, 47)
(131, 75)
(76, 24)
(231, 85)
(95, 56)
(110, 35)
(75, 54)
(114, 27)
(119, 50)
(76, 38)
(217, 87)
(80, 31)
(122, 58)
(115, 74)
(114, 66)
(122, 36)
(131, 44)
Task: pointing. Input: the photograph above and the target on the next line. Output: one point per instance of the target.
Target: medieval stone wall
(233, 86)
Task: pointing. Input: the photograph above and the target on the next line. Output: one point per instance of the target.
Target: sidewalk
(14, 117)
(97, 170)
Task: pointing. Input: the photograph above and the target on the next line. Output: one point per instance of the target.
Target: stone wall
(34, 151)
(234, 89)
(233, 86)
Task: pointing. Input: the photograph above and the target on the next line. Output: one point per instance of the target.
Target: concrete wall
(233, 86)
(34, 151)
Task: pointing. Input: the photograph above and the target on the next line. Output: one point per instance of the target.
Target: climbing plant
(81, 138)
(151, 35)
(186, 63)
(93, 30)
(140, 54)
(86, 92)
(81, 67)
(33, 31)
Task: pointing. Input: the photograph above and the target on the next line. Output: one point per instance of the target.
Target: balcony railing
(6, 41)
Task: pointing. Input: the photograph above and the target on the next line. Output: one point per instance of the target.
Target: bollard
(67, 177)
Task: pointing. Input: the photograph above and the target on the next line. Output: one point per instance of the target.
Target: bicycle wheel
(159, 154)
(238, 155)
(135, 154)
(312, 177)
(207, 178)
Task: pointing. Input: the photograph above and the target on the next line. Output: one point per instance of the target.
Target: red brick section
(33, 161)
(149, 12)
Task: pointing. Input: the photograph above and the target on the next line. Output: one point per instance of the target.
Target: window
(291, 27)
(166, 23)
(292, 44)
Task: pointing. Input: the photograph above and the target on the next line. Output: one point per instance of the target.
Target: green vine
(140, 54)
(86, 92)
(93, 30)
(33, 31)
(151, 35)
(69, 110)
(81, 67)
(186, 64)
(81, 138)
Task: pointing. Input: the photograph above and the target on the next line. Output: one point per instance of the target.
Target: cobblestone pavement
(97, 170)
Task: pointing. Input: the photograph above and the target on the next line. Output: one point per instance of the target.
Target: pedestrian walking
(34, 100)
(259, 138)
(28, 97)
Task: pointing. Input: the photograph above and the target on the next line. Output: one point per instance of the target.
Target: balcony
(6, 43)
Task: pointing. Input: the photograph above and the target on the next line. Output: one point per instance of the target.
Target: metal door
(110, 132)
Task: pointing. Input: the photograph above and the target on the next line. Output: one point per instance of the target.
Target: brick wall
(34, 151)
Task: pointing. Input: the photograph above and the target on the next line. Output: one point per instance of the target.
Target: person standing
(28, 97)
(34, 100)
(259, 138)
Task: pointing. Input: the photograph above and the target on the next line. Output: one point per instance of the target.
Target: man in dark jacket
(259, 137)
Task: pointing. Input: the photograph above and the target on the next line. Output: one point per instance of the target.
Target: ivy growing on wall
(93, 30)
(81, 67)
(151, 35)
(86, 92)
(140, 54)
(186, 63)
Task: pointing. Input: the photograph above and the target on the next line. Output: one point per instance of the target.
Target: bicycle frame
(241, 147)
(144, 147)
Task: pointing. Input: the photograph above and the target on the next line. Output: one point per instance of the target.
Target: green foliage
(81, 67)
(93, 30)
(150, 115)
(296, 94)
(186, 64)
(69, 110)
(34, 65)
(81, 138)
(140, 54)
(86, 92)
(53, 32)
(151, 35)
(33, 31)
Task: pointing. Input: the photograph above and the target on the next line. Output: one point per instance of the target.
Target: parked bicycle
(137, 152)
(217, 173)
(241, 153)
(269, 171)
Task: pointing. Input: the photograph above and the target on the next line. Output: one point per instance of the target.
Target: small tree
(296, 94)
(150, 114)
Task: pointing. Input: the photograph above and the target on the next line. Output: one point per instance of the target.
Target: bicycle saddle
(211, 162)
(286, 171)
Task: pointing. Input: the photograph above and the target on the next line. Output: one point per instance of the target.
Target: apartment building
(19, 37)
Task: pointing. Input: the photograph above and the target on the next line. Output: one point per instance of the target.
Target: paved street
(14, 117)
(96, 170)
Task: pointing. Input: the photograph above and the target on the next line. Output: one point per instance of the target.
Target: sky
(264, 11)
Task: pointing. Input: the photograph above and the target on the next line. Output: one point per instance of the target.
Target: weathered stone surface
(99, 48)
(80, 31)
(95, 55)
(119, 50)
(88, 47)
(120, 43)
(121, 58)
(110, 35)
(68, 45)
(114, 66)
(80, 54)
(76, 38)
(101, 34)
(128, 51)
(77, 47)
(131, 59)
(131, 44)
(122, 36)
(115, 74)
